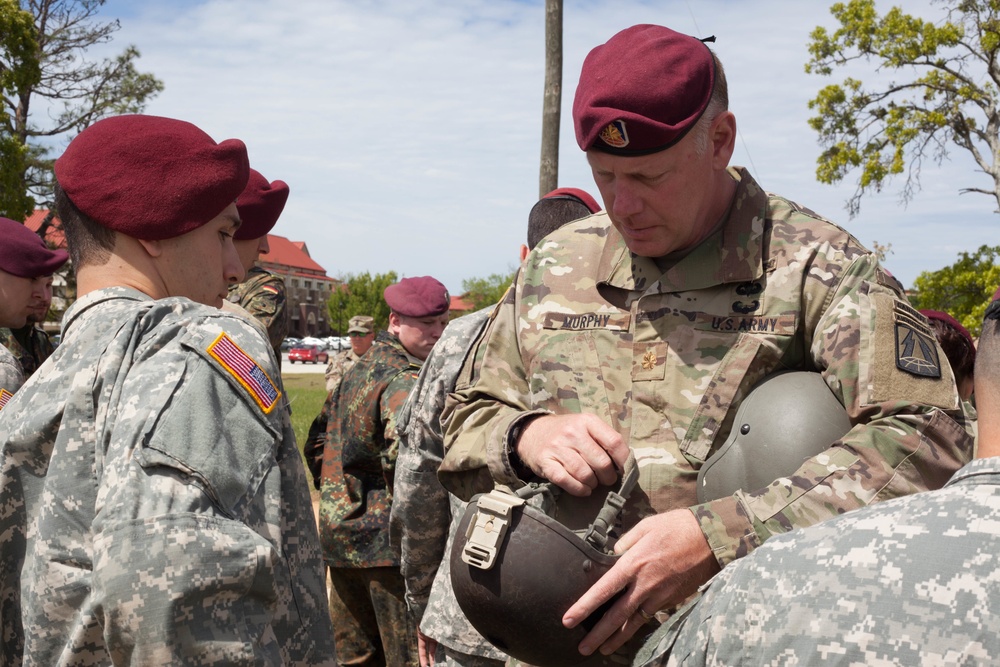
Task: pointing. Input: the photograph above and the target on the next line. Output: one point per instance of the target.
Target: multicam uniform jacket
(262, 295)
(30, 345)
(912, 581)
(11, 377)
(359, 456)
(666, 359)
(153, 493)
(424, 515)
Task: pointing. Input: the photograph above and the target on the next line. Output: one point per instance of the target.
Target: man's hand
(576, 452)
(664, 559)
(426, 648)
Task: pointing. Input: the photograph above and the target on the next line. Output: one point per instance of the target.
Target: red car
(311, 353)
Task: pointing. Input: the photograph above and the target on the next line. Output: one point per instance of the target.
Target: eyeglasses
(355, 334)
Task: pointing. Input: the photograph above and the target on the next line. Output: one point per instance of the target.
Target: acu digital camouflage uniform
(912, 581)
(666, 359)
(262, 294)
(154, 497)
(30, 345)
(424, 515)
(11, 377)
(359, 461)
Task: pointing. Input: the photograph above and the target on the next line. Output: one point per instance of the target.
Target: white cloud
(409, 130)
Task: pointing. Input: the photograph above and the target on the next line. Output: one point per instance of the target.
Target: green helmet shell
(784, 420)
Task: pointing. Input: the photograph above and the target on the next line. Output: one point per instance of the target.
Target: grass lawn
(306, 394)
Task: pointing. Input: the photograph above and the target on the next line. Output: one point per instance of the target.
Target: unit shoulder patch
(916, 349)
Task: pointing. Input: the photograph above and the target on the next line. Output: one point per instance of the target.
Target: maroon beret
(577, 194)
(422, 296)
(642, 91)
(954, 324)
(260, 205)
(24, 253)
(151, 177)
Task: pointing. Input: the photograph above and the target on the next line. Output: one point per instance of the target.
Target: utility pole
(548, 174)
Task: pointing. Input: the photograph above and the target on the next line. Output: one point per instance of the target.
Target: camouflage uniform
(666, 359)
(11, 377)
(339, 364)
(359, 460)
(152, 491)
(262, 295)
(912, 581)
(424, 515)
(30, 345)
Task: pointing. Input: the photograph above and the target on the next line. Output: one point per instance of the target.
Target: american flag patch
(246, 371)
(4, 397)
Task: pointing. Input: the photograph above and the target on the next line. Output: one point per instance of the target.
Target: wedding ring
(647, 617)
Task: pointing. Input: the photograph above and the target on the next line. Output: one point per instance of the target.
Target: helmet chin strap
(493, 517)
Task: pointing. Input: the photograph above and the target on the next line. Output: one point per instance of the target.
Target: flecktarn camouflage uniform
(262, 294)
(424, 516)
(11, 377)
(666, 359)
(313, 448)
(359, 462)
(152, 491)
(912, 581)
(30, 345)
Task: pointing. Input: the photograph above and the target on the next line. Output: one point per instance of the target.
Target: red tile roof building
(307, 287)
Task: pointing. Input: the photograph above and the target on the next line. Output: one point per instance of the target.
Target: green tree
(484, 292)
(72, 91)
(19, 68)
(360, 295)
(942, 93)
(962, 290)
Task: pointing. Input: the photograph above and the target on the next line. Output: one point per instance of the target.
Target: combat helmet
(785, 419)
(516, 570)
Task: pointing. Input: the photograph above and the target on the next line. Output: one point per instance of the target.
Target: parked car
(312, 353)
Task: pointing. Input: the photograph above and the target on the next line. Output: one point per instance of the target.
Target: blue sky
(408, 130)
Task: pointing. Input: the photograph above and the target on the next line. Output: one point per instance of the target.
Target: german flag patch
(246, 371)
(916, 348)
(269, 288)
(4, 397)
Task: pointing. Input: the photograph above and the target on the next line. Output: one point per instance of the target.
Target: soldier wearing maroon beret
(26, 268)
(152, 455)
(262, 293)
(371, 622)
(643, 329)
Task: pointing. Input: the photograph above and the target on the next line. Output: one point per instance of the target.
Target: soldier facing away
(643, 329)
(156, 508)
(424, 516)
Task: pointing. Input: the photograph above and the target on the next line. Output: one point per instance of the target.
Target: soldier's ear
(152, 248)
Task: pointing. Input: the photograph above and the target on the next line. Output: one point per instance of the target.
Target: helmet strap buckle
(486, 532)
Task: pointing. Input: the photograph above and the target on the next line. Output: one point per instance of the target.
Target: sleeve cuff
(728, 528)
(503, 470)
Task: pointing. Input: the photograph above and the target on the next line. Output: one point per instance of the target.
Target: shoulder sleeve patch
(247, 372)
(4, 397)
(916, 351)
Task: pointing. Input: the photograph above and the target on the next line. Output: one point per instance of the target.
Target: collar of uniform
(732, 254)
(392, 341)
(91, 299)
(974, 471)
